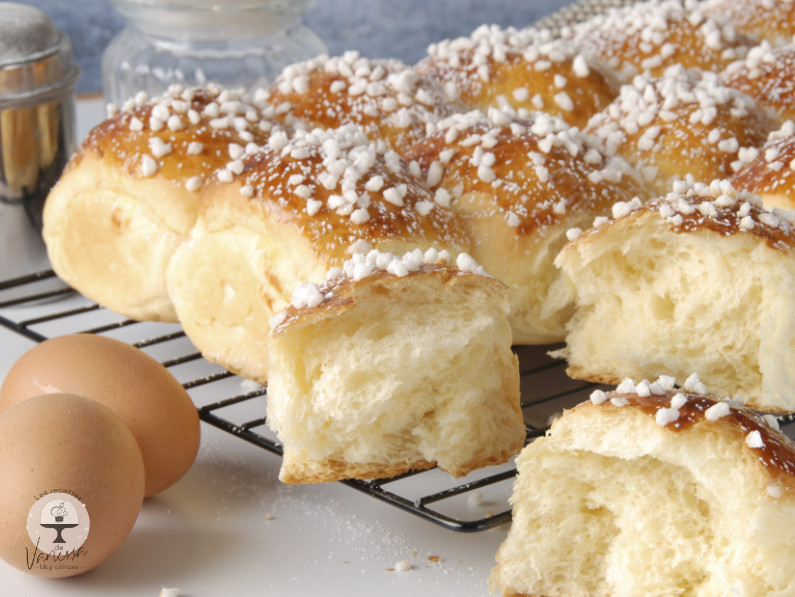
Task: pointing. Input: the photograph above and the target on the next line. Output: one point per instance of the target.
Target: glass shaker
(236, 43)
(37, 129)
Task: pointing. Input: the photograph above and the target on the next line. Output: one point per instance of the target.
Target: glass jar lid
(207, 20)
(35, 57)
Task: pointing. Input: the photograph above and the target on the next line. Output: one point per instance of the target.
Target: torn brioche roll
(525, 69)
(767, 74)
(518, 185)
(648, 37)
(129, 196)
(394, 364)
(683, 122)
(284, 215)
(653, 490)
(773, 21)
(700, 280)
(388, 100)
(769, 171)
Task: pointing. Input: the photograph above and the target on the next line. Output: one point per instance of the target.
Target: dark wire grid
(540, 401)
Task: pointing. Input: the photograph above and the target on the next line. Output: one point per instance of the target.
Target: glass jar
(236, 43)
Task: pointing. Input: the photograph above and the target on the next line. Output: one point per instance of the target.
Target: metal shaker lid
(35, 57)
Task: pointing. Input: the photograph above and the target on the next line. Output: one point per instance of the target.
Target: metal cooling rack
(40, 306)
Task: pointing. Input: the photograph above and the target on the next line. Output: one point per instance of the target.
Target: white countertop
(229, 527)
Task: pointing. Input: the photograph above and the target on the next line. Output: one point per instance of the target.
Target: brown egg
(141, 391)
(72, 484)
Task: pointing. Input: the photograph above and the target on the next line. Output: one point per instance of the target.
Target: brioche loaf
(524, 69)
(701, 280)
(648, 37)
(649, 490)
(518, 185)
(394, 364)
(296, 207)
(683, 122)
(128, 198)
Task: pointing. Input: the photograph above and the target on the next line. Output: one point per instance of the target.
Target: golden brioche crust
(335, 293)
(766, 74)
(719, 207)
(759, 19)
(386, 98)
(330, 470)
(682, 122)
(337, 189)
(768, 171)
(648, 37)
(773, 452)
(185, 133)
(523, 69)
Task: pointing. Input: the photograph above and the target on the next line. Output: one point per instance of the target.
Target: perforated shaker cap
(35, 57)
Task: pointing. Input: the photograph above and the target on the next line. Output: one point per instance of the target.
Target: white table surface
(229, 527)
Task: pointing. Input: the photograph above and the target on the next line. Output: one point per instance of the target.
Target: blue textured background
(378, 28)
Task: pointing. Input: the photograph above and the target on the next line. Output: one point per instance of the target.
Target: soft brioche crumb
(392, 373)
(682, 285)
(611, 503)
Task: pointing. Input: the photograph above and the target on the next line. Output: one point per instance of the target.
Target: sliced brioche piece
(647, 490)
(648, 37)
(128, 198)
(518, 185)
(700, 280)
(769, 171)
(526, 69)
(295, 208)
(682, 122)
(394, 364)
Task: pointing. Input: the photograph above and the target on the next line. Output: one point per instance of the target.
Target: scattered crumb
(475, 498)
(403, 566)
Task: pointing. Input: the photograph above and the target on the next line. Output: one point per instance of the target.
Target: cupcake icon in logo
(59, 515)
(58, 523)
(58, 511)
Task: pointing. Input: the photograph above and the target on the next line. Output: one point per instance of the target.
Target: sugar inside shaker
(37, 126)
